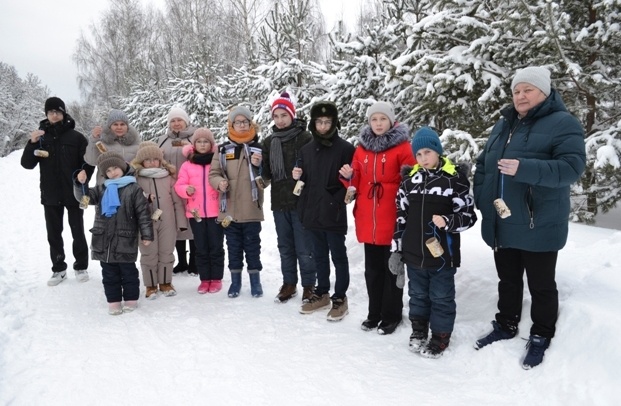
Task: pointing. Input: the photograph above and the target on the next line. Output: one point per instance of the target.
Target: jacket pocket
(127, 242)
(98, 243)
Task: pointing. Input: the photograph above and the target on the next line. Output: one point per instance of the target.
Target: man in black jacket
(59, 151)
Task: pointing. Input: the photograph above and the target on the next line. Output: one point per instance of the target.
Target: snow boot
(420, 332)
(537, 347)
(255, 283)
(498, 333)
(436, 345)
(235, 283)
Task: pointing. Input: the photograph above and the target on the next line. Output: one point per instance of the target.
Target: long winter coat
(174, 155)
(126, 145)
(66, 148)
(321, 206)
(281, 196)
(444, 191)
(116, 238)
(377, 167)
(549, 143)
(239, 201)
(205, 198)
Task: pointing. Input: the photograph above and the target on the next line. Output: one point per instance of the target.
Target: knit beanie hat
(325, 109)
(109, 159)
(148, 150)
(178, 112)
(382, 107)
(240, 111)
(116, 115)
(204, 133)
(284, 102)
(426, 138)
(534, 75)
(54, 103)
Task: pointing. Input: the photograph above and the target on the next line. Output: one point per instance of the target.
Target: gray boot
(235, 283)
(255, 283)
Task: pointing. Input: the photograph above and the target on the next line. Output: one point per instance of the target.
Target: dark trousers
(120, 281)
(294, 246)
(385, 298)
(54, 225)
(432, 297)
(209, 243)
(540, 270)
(244, 238)
(326, 244)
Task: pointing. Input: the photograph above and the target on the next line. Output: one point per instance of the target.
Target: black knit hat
(54, 103)
(325, 109)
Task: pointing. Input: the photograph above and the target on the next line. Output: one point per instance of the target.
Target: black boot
(182, 264)
(192, 264)
(420, 332)
(436, 345)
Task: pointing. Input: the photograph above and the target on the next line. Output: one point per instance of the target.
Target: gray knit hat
(116, 115)
(240, 111)
(109, 159)
(534, 75)
(382, 107)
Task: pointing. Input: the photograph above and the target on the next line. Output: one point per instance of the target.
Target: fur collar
(398, 134)
(131, 138)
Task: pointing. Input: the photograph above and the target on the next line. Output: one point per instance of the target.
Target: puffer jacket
(549, 144)
(66, 148)
(282, 198)
(115, 239)
(126, 145)
(174, 154)
(444, 191)
(205, 198)
(239, 203)
(377, 165)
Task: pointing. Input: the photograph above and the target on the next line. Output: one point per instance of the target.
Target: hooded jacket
(66, 148)
(549, 144)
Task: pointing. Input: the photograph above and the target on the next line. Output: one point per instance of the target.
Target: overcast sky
(39, 36)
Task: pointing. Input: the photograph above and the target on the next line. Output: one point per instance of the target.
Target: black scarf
(277, 164)
(201, 159)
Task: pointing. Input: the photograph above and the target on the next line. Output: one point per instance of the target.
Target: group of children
(410, 203)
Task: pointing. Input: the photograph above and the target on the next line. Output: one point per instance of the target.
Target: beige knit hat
(148, 150)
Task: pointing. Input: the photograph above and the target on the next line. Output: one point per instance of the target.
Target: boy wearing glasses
(59, 150)
(322, 208)
(282, 154)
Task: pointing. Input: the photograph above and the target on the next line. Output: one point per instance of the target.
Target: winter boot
(369, 324)
(536, 346)
(168, 289)
(215, 286)
(182, 264)
(114, 308)
(339, 309)
(420, 332)
(497, 334)
(235, 283)
(130, 306)
(151, 292)
(204, 287)
(255, 283)
(285, 293)
(436, 345)
(388, 327)
(316, 302)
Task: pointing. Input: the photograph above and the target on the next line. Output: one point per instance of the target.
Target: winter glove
(397, 268)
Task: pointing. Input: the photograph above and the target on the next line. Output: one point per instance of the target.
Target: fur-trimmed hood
(131, 138)
(396, 135)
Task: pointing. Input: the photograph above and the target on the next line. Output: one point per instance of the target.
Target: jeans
(209, 243)
(540, 273)
(432, 297)
(120, 281)
(294, 246)
(54, 225)
(326, 243)
(385, 298)
(244, 238)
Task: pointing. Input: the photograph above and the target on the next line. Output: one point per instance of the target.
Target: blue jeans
(326, 243)
(244, 238)
(432, 297)
(294, 246)
(209, 243)
(120, 281)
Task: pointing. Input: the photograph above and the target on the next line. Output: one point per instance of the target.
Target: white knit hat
(178, 112)
(382, 107)
(534, 75)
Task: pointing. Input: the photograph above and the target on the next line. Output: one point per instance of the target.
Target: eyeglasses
(323, 122)
(241, 123)
(54, 113)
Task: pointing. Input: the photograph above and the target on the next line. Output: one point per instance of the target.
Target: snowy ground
(58, 346)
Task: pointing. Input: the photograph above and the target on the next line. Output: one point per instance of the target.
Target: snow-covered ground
(58, 345)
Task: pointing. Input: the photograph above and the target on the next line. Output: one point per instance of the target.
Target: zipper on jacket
(422, 224)
(205, 191)
(157, 196)
(374, 196)
(383, 163)
(531, 211)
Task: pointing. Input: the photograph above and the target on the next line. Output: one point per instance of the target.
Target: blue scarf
(110, 201)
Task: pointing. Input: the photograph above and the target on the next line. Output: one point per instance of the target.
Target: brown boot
(308, 293)
(167, 289)
(151, 292)
(285, 293)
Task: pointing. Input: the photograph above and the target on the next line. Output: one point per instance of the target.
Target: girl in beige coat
(156, 177)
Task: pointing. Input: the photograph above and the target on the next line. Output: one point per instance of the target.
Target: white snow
(60, 347)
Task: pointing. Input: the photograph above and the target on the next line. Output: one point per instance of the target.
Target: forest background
(443, 63)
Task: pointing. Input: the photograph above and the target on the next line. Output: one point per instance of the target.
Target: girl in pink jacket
(202, 208)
